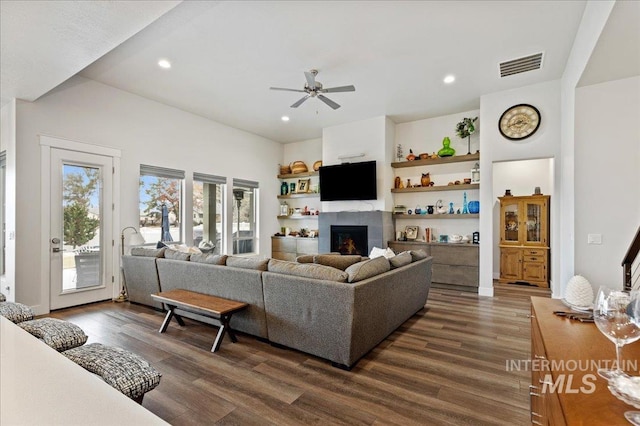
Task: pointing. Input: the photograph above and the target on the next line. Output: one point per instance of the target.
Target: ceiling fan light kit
(314, 89)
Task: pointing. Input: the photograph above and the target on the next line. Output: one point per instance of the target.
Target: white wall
(545, 143)
(8, 144)
(147, 132)
(593, 21)
(368, 137)
(521, 178)
(607, 177)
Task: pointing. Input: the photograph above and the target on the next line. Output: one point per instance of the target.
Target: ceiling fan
(314, 89)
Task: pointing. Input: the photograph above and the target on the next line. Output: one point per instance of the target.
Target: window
(245, 196)
(161, 203)
(208, 212)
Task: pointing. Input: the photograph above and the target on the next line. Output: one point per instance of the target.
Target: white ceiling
(43, 43)
(226, 55)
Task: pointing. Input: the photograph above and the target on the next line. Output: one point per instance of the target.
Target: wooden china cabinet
(524, 239)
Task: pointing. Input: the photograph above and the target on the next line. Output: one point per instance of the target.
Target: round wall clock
(519, 122)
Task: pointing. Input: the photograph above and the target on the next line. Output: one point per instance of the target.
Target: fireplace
(349, 239)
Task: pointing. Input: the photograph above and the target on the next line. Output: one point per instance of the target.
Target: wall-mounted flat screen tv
(348, 181)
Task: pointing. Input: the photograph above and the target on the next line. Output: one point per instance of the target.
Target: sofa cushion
(2, 298)
(147, 252)
(129, 373)
(305, 258)
(16, 312)
(176, 255)
(400, 259)
(211, 259)
(418, 255)
(58, 334)
(367, 269)
(307, 270)
(336, 260)
(247, 263)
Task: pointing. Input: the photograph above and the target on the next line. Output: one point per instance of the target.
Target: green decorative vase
(446, 150)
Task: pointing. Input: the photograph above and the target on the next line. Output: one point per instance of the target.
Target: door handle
(55, 242)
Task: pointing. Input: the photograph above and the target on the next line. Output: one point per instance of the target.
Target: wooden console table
(570, 344)
(202, 304)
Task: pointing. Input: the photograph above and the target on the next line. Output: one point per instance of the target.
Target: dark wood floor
(444, 366)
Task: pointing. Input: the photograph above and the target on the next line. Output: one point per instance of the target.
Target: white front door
(81, 221)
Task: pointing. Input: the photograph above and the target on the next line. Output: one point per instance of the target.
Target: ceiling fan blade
(328, 102)
(297, 104)
(311, 79)
(288, 90)
(338, 89)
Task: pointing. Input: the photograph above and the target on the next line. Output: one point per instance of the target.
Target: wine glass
(614, 316)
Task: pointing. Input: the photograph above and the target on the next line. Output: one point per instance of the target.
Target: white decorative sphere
(579, 291)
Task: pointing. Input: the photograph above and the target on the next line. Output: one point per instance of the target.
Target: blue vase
(451, 211)
(284, 188)
(474, 207)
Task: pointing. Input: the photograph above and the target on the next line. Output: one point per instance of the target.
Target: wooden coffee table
(202, 304)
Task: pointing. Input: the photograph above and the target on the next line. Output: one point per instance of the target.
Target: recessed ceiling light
(449, 79)
(164, 63)
(285, 118)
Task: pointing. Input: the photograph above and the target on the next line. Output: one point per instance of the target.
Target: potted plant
(465, 129)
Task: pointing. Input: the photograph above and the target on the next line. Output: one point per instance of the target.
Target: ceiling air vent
(520, 65)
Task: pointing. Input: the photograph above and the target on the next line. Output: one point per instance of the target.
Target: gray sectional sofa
(335, 314)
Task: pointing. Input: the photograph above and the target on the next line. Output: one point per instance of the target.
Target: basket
(298, 167)
(317, 165)
(285, 170)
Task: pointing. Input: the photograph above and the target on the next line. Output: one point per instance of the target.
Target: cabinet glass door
(510, 223)
(533, 223)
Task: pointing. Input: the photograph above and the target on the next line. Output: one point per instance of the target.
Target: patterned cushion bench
(129, 373)
(16, 312)
(60, 335)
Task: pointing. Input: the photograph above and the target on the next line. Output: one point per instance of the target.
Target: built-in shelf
(298, 175)
(436, 216)
(439, 160)
(304, 216)
(460, 187)
(301, 195)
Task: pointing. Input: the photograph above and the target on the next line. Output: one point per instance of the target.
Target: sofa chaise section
(341, 321)
(141, 278)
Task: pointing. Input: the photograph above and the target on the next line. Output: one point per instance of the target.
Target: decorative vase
(397, 182)
(284, 188)
(446, 150)
(429, 209)
(425, 180)
(474, 207)
(465, 210)
(451, 211)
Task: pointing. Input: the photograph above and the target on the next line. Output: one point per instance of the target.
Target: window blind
(212, 179)
(245, 183)
(161, 172)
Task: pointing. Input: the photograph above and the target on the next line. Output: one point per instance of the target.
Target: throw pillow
(247, 263)
(147, 252)
(400, 259)
(211, 259)
(418, 254)
(307, 270)
(367, 269)
(377, 252)
(176, 255)
(336, 260)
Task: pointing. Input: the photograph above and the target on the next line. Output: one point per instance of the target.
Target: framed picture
(303, 185)
(412, 232)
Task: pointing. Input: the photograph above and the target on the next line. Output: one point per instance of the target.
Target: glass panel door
(533, 223)
(510, 223)
(81, 228)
